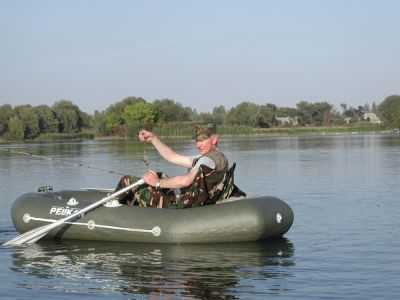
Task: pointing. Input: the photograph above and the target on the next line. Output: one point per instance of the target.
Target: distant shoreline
(292, 131)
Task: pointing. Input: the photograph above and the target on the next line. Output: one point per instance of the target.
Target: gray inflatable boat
(233, 220)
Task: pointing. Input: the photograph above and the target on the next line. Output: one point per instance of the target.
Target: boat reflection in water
(203, 271)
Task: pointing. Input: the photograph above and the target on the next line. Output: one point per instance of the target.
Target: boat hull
(249, 219)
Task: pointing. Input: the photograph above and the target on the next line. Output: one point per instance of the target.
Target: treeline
(167, 117)
(63, 119)
(126, 117)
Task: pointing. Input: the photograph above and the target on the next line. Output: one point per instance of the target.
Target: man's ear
(214, 139)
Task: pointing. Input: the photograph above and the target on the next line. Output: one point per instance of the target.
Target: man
(206, 182)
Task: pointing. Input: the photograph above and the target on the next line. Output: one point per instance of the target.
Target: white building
(287, 120)
(372, 117)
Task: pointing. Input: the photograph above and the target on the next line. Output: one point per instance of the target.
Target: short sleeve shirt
(204, 160)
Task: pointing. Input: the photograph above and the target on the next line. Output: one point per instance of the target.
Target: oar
(37, 233)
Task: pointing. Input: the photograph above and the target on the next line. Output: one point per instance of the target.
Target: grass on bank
(360, 127)
(186, 130)
(65, 136)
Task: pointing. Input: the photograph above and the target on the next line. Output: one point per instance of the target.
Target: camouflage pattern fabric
(127, 197)
(209, 187)
(204, 131)
(144, 195)
(148, 196)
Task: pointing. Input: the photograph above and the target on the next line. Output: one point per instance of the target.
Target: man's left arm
(175, 182)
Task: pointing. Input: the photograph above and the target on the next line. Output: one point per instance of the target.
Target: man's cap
(204, 131)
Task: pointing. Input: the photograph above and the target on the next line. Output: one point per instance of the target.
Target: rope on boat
(156, 230)
(77, 164)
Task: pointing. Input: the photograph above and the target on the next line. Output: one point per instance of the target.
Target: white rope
(156, 230)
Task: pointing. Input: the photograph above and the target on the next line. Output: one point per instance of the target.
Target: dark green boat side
(248, 219)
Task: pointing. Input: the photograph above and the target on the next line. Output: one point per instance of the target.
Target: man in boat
(207, 181)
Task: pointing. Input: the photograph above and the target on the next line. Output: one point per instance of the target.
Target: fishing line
(60, 161)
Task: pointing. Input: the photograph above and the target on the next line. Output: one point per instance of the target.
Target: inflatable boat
(232, 220)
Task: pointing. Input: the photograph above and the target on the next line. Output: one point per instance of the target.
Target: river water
(344, 243)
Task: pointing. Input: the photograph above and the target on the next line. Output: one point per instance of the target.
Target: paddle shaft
(35, 234)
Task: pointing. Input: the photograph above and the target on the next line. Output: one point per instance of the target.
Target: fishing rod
(77, 164)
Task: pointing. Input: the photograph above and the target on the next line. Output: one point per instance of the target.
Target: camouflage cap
(204, 131)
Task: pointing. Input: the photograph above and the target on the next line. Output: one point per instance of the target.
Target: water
(344, 243)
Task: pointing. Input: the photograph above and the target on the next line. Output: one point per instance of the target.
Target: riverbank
(231, 131)
(342, 130)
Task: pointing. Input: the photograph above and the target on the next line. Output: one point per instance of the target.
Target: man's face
(207, 145)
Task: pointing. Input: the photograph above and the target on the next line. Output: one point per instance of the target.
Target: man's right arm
(165, 151)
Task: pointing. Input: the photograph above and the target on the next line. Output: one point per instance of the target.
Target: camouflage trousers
(208, 187)
(145, 195)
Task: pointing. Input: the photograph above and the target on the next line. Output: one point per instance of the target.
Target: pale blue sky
(200, 53)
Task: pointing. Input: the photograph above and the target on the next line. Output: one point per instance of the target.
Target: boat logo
(279, 218)
(72, 202)
(62, 211)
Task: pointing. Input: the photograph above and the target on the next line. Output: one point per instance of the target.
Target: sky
(201, 54)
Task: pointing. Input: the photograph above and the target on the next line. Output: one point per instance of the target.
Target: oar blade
(32, 240)
(37, 233)
(25, 237)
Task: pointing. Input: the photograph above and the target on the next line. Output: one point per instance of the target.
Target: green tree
(131, 100)
(354, 113)
(219, 114)
(248, 114)
(171, 111)
(6, 113)
(139, 115)
(113, 116)
(269, 112)
(203, 117)
(314, 113)
(323, 113)
(305, 110)
(100, 124)
(16, 129)
(68, 115)
(286, 112)
(86, 120)
(142, 112)
(30, 120)
(233, 116)
(337, 118)
(48, 122)
(389, 111)
(116, 109)
(112, 121)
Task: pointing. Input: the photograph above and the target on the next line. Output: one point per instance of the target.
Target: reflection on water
(201, 271)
